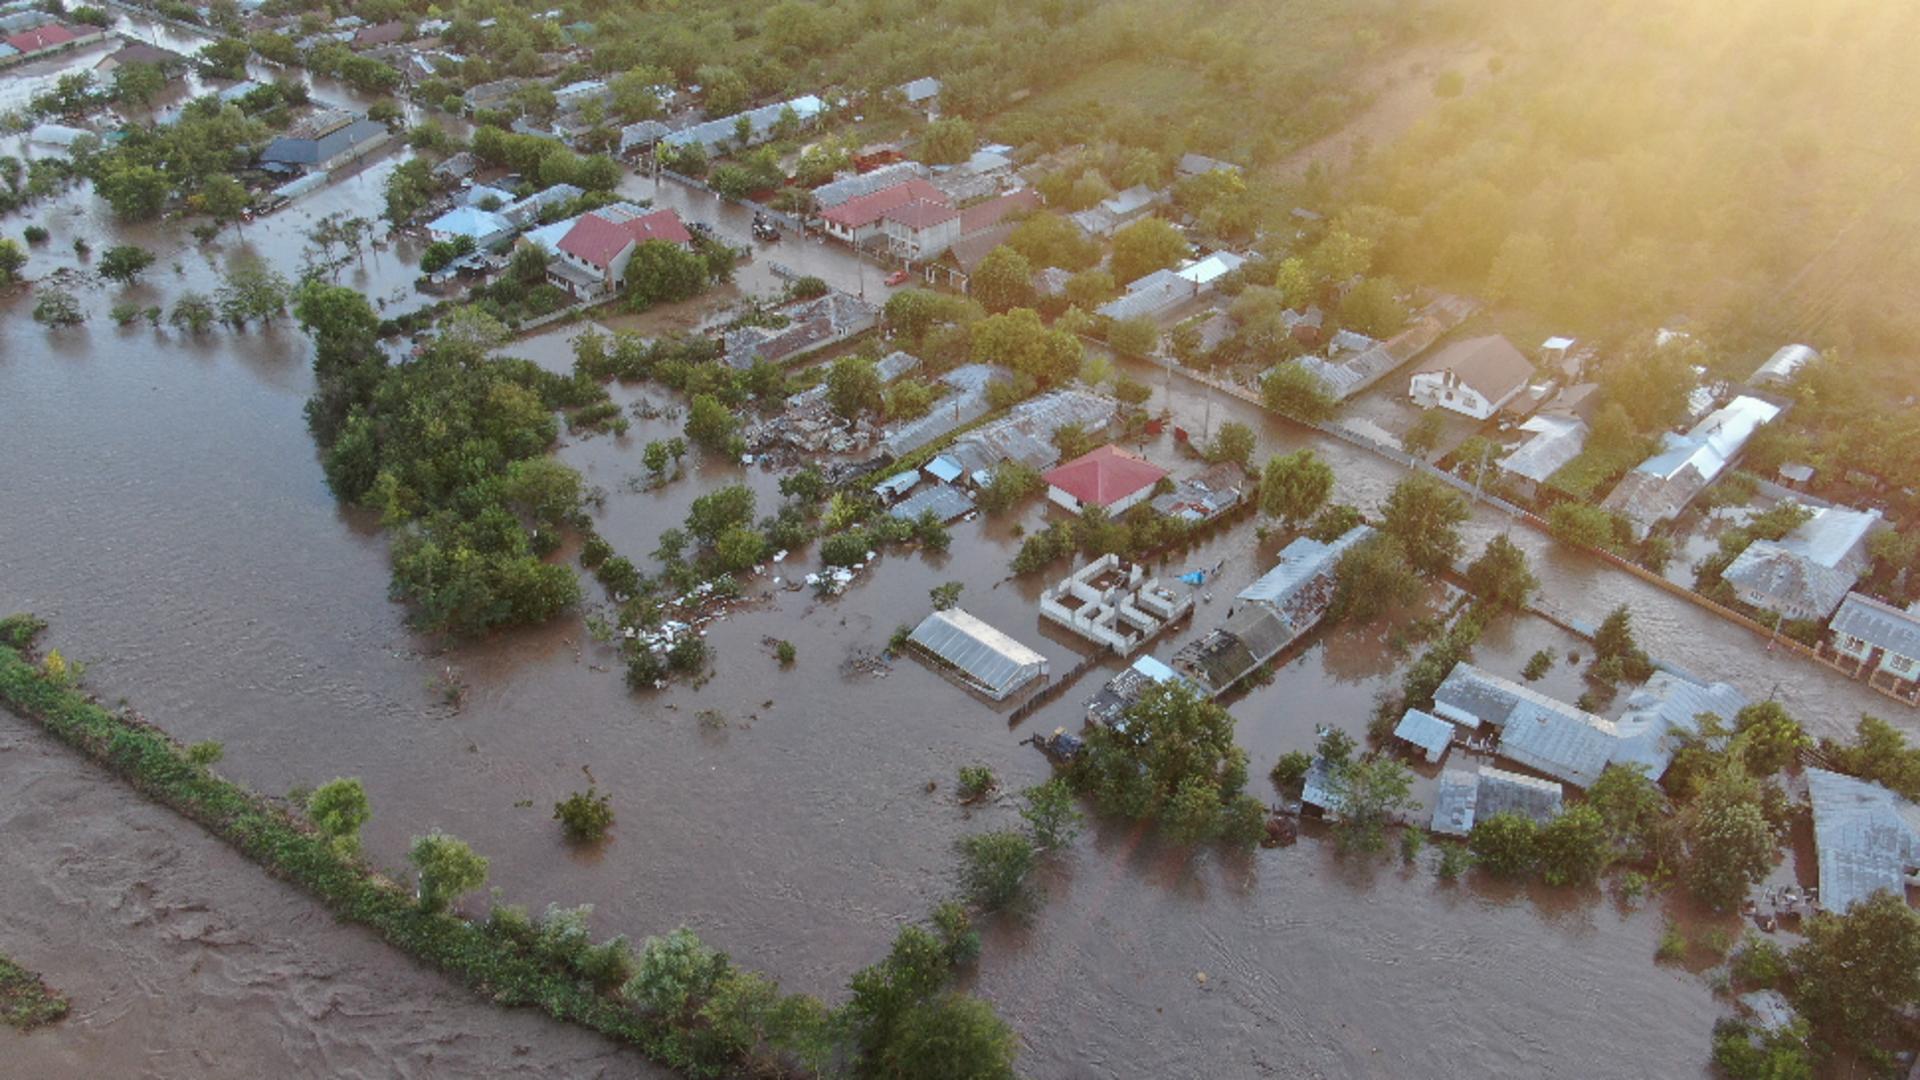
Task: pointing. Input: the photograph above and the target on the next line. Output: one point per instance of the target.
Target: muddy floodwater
(163, 507)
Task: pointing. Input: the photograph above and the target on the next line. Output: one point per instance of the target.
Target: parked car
(898, 277)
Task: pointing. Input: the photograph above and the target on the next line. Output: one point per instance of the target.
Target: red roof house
(983, 216)
(592, 257)
(859, 217)
(1107, 477)
(42, 38)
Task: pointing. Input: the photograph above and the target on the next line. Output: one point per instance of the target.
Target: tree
(1615, 636)
(1373, 308)
(1088, 289)
(1500, 576)
(1233, 442)
(726, 90)
(1504, 843)
(226, 199)
(1293, 390)
(13, 258)
(1192, 815)
(710, 424)
(339, 808)
(1424, 435)
(994, 868)
(1574, 847)
(674, 974)
(1581, 525)
(1652, 384)
(409, 188)
(138, 84)
(1424, 515)
(1630, 807)
(1051, 814)
(739, 548)
(1772, 739)
(947, 141)
(1171, 734)
(1372, 578)
(584, 815)
(1729, 846)
(225, 58)
(1369, 793)
(945, 597)
(192, 313)
(717, 511)
(55, 306)
(447, 868)
(1295, 486)
(853, 387)
(1857, 975)
(1145, 246)
(1003, 280)
(136, 192)
(252, 291)
(954, 1037)
(1138, 336)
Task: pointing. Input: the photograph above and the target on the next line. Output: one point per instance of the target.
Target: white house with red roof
(46, 38)
(1107, 477)
(921, 230)
(860, 218)
(590, 257)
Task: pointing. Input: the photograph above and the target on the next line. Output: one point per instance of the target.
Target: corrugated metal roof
(1784, 364)
(945, 500)
(967, 403)
(1556, 441)
(1503, 792)
(1868, 838)
(713, 133)
(1426, 731)
(1301, 563)
(1664, 710)
(1535, 730)
(996, 663)
(1879, 624)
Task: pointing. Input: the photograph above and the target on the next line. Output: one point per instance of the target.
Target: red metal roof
(1104, 476)
(41, 37)
(598, 241)
(922, 214)
(986, 215)
(864, 210)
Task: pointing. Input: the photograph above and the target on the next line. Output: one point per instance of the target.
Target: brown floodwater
(163, 507)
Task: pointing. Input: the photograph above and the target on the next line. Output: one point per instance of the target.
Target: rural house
(1806, 573)
(859, 219)
(1107, 477)
(590, 258)
(1874, 639)
(1474, 377)
(1663, 485)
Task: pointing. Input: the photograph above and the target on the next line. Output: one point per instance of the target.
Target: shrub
(19, 632)
(1290, 772)
(675, 972)
(1538, 665)
(975, 781)
(206, 753)
(994, 868)
(34, 234)
(447, 868)
(339, 808)
(585, 815)
(1455, 859)
(845, 549)
(1504, 844)
(786, 652)
(687, 655)
(1051, 814)
(1673, 945)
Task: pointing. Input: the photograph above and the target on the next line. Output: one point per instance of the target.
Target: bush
(975, 781)
(1455, 859)
(846, 549)
(206, 754)
(1052, 814)
(994, 868)
(585, 815)
(674, 974)
(786, 652)
(1504, 844)
(447, 868)
(1290, 772)
(1673, 945)
(338, 808)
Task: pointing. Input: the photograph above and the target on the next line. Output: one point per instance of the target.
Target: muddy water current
(163, 507)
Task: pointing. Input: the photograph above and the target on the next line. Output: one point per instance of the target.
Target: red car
(898, 277)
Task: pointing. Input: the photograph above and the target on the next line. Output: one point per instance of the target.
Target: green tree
(409, 188)
(192, 313)
(710, 424)
(1424, 515)
(1138, 336)
(1295, 486)
(1233, 442)
(1003, 280)
(717, 511)
(947, 141)
(13, 258)
(138, 84)
(945, 597)
(338, 809)
(662, 273)
(674, 975)
(1581, 525)
(447, 868)
(136, 192)
(1370, 794)
(1373, 308)
(1505, 843)
(1145, 246)
(1424, 435)
(1771, 738)
(1501, 576)
(952, 1037)
(1171, 734)
(1857, 975)
(225, 199)
(1630, 806)
(726, 90)
(994, 868)
(1051, 814)
(1574, 847)
(1372, 578)
(585, 815)
(1292, 390)
(853, 387)
(1730, 846)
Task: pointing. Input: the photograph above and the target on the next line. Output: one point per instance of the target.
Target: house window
(1850, 644)
(1903, 666)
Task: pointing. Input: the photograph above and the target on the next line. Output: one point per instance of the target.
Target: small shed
(944, 500)
(1427, 732)
(979, 655)
(945, 469)
(897, 485)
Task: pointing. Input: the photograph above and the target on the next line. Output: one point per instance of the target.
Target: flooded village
(1242, 660)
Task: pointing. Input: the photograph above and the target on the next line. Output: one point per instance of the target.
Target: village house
(1120, 210)
(139, 52)
(45, 39)
(485, 227)
(497, 94)
(1659, 488)
(1122, 692)
(1808, 572)
(1345, 376)
(922, 94)
(964, 402)
(1873, 639)
(1025, 435)
(1268, 615)
(715, 135)
(1107, 477)
(1204, 497)
(325, 141)
(529, 211)
(1556, 440)
(382, 34)
(860, 219)
(1200, 165)
(1474, 377)
(1866, 838)
(920, 230)
(590, 258)
(1781, 368)
(834, 192)
(813, 324)
(1156, 296)
(1465, 797)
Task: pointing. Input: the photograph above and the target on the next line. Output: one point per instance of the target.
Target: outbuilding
(978, 655)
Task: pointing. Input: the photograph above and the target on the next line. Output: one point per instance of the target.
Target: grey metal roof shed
(1426, 731)
(1867, 837)
(945, 500)
(983, 657)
